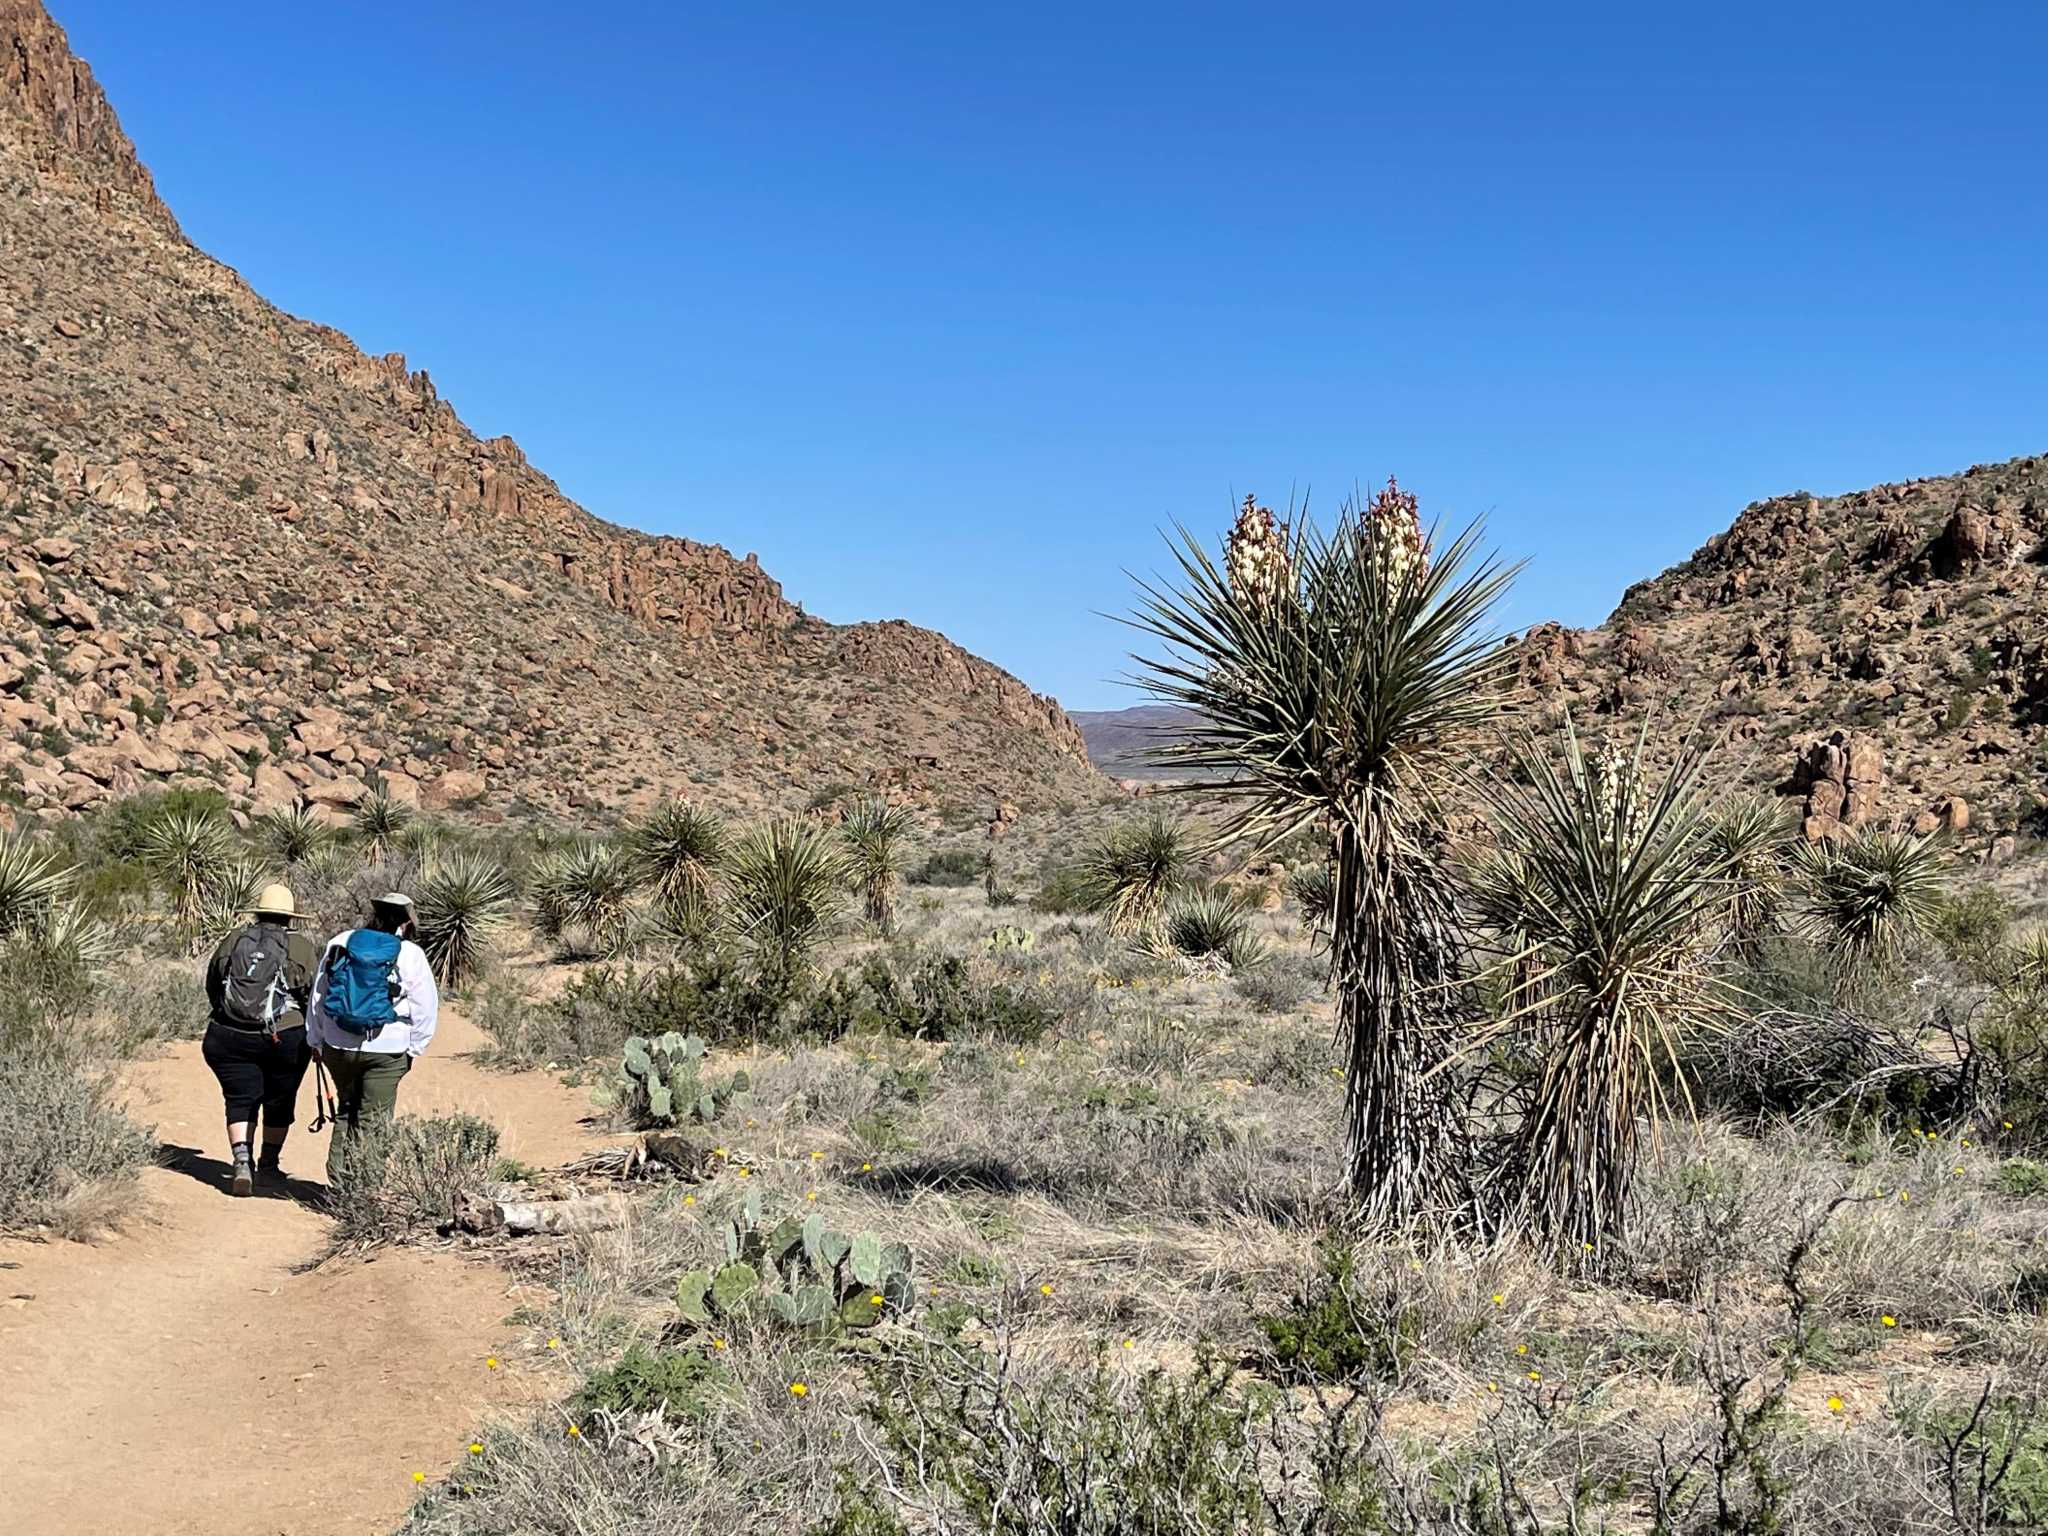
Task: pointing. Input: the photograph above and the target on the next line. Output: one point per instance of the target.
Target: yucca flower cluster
(1255, 556)
(1393, 530)
(1618, 795)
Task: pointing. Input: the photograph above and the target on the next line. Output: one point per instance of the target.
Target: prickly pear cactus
(661, 1081)
(1010, 937)
(801, 1274)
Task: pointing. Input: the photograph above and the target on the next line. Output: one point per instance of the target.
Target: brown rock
(452, 789)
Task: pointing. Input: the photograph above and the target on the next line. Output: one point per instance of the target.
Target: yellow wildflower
(1046, 1289)
(1834, 1405)
(554, 1343)
(1521, 1349)
(575, 1433)
(476, 1448)
(875, 1301)
(718, 1343)
(798, 1389)
(419, 1477)
(490, 1362)
(1500, 1298)
(1535, 1375)
(1889, 1321)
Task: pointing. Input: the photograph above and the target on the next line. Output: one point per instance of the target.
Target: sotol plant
(677, 854)
(874, 831)
(1336, 681)
(463, 902)
(662, 1082)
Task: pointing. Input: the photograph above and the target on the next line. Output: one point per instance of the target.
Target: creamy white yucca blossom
(1611, 770)
(1255, 556)
(1393, 527)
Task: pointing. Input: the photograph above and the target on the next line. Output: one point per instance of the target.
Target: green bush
(1335, 1332)
(682, 1382)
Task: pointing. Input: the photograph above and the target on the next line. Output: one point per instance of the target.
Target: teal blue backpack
(362, 982)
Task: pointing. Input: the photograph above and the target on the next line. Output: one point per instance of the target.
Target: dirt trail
(181, 1378)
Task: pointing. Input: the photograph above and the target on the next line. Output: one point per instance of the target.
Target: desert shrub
(1342, 1327)
(1062, 891)
(47, 976)
(948, 867)
(1206, 921)
(952, 1000)
(1972, 926)
(680, 1382)
(1285, 982)
(1011, 1453)
(334, 890)
(2020, 1177)
(402, 1181)
(710, 995)
(67, 1141)
(150, 1002)
(462, 904)
(119, 831)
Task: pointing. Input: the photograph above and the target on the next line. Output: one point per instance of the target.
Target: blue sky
(945, 310)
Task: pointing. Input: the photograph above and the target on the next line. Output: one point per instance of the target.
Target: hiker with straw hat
(258, 986)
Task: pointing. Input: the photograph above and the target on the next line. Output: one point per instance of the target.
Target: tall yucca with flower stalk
(1620, 888)
(1336, 681)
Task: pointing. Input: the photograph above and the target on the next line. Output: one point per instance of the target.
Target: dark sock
(269, 1159)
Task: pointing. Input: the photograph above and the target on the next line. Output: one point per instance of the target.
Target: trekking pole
(323, 1099)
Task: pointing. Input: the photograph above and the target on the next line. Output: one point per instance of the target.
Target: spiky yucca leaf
(31, 880)
(1204, 920)
(1313, 889)
(462, 904)
(292, 834)
(378, 819)
(786, 889)
(187, 851)
(1133, 869)
(1620, 889)
(677, 853)
(1335, 686)
(227, 898)
(874, 831)
(1866, 894)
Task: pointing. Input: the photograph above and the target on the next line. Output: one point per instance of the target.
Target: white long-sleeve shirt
(418, 1006)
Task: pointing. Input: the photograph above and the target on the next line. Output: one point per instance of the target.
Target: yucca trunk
(1577, 1146)
(880, 909)
(1393, 937)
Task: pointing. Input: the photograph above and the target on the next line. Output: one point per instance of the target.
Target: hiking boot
(244, 1181)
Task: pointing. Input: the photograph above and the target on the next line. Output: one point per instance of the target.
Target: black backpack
(253, 992)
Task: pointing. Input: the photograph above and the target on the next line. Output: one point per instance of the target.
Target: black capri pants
(255, 1070)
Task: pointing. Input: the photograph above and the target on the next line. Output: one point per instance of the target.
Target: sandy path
(180, 1378)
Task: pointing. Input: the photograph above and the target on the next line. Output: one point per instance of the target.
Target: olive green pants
(365, 1094)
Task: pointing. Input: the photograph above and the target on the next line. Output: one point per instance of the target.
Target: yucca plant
(226, 899)
(676, 854)
(1313, 890)
(1208, 920)
(1864, 895)
(588, 889)
(1336, 682)
(31, 880)
(419, 841)
(462, 904)
(874, 831)
(786, 889)
(1751, 838)
(292, 834)
(1131, 871)
(1621, 886)
(188, 851)
(378, 820)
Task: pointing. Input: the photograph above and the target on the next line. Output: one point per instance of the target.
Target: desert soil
(192, 1375)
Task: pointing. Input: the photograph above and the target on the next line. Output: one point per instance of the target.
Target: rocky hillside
(1905, 620)
(1120, 740)
(235, 548)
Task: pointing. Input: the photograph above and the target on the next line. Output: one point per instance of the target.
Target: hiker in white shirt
(372, 1013)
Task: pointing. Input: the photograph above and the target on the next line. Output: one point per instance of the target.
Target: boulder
(456, 787)
(1842, 778)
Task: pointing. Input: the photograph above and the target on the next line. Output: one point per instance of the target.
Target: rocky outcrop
(938, 668)
(1842, 778)
(68, 130)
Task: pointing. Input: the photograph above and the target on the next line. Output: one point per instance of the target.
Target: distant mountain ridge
(1118, 739)
(237, 550)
